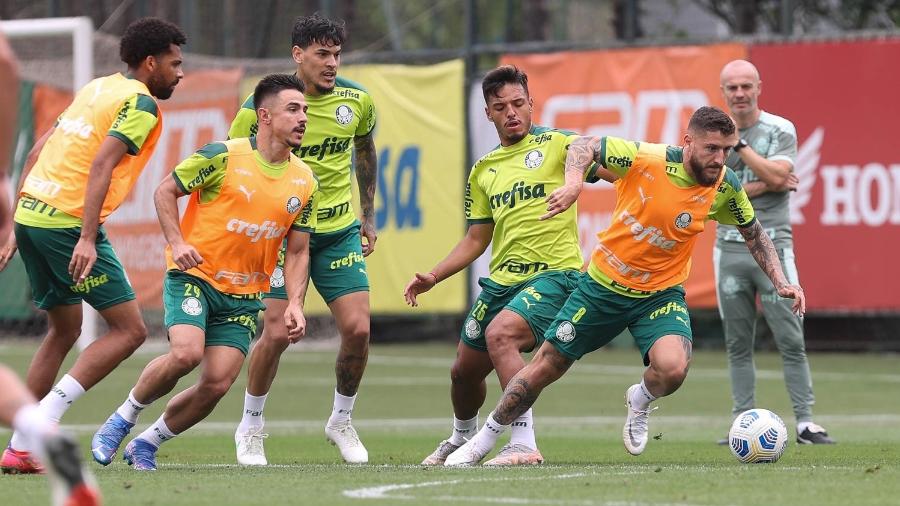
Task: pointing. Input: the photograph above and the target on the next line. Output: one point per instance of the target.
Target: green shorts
(227, 320)
(336, 265)
(537, 300)
(593, 315)
(47, 252)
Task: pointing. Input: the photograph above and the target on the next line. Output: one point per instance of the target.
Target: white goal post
(82, 31)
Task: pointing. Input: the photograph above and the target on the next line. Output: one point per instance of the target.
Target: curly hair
(315, 28)
(501, 76)
(272, 84)
(711, 119)
(148, 37)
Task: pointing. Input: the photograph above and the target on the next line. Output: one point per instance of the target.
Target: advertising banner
(842, 98)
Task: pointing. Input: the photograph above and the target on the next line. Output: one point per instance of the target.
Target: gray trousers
(739, 280)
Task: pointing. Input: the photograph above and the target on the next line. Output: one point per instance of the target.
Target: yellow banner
(421, 175)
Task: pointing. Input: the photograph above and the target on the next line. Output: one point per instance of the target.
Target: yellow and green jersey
(117, 106)
(508, 187)
(334, 120)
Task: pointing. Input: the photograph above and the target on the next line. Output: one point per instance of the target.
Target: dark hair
(148, 37)
(272, 84)
(711, 119)
(500, 76)
(315, 28)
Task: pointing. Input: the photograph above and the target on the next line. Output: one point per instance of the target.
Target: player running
(246, 196)
(665, 194)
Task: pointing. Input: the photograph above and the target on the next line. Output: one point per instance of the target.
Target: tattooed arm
(763, 251)
(583, 152)
(366, 176)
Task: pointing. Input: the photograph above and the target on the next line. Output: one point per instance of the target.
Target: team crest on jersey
(343, 114)
(534, 159)
(565, 332)
(293, 205)
(192, 306)
(473, 329)
(761, 145)
(683, 220)
(730, 286)
(277, 279)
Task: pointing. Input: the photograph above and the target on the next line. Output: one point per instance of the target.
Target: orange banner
(638, 94)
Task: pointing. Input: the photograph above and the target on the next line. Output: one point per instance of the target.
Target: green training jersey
(204, 172)
(508, 187)
(731, 205)
(334, 120)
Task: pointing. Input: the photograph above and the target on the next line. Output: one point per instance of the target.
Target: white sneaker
(467, 455)
(634, 434)
(344, 436)
(250, 450)
(440, 454)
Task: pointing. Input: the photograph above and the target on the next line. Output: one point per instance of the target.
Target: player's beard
(160, 89)
(700, 175)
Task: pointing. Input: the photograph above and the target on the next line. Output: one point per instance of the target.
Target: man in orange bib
(77, 174)
(246, 196)
(665, 194)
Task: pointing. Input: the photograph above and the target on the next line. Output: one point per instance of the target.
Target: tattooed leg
(351, 312)
(547, 366)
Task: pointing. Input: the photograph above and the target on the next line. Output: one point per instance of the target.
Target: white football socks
(158, 433)
(60, 397)
(343, 408)
(523, 430)
(253, 412)
(641, 397)
(131, 408)
(463, 430)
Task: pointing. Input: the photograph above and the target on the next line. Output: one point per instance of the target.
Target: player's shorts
(336, 265)
(593, 315)
(47, 252)
(227, 320)
(537, 300)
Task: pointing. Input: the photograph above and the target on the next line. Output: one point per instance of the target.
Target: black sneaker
(814, 435)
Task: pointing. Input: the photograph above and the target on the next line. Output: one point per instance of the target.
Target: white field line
(545, 423)
(389, 492)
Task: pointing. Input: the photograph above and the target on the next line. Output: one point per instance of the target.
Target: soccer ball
(758, 435)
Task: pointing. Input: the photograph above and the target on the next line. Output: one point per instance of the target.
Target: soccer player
(246, 196)
(763, 160)
(665, 194)
(71, 483)
(534, 263)
(85, 167)
(341, 120)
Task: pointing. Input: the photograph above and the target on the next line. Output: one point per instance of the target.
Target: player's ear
(297, 54)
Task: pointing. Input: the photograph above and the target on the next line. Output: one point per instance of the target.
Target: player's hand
(84, 256)
(561, 199)
(796, 293)
(8, 250)
(367, 232)
(420, 283)
(792, 182)
(295, 322)
(185, 256)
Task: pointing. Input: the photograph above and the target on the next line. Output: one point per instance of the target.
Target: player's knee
(184, 359)
(276, 335)
(502, 338)
(136, 334)
(356, 333)
(65, 335)
(461, 376)
(214, 389)
(673, 372)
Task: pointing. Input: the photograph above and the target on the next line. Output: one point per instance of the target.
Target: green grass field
(403, 411)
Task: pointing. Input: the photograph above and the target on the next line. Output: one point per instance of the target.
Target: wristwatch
(740, 145)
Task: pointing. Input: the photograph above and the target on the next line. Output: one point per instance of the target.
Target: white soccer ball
(758, 435)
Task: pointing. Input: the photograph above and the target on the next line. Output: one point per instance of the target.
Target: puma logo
(246, 192)
(299, 181)
(644, 198)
